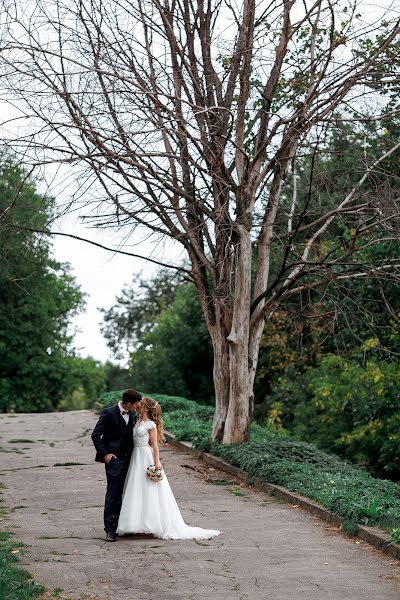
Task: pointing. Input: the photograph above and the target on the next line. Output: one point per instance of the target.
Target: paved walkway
(269, 550)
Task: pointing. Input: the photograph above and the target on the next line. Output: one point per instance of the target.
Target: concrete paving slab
(269, 550)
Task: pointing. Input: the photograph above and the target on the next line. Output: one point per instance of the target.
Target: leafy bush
(343, 489)
(348, 407)
(274, 457)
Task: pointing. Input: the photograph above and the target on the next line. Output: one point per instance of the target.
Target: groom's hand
(109, 457)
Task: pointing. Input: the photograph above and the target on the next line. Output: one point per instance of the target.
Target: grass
(396, 535)
(15, 583)
(21, 441)
(344, 489)
(235, 491)
(84, 433)
(69, 464)
(220, 481)
(198, 542)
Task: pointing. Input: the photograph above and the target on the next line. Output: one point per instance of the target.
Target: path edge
(372, 535)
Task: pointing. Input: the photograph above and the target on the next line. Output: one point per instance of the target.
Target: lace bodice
(141, 433)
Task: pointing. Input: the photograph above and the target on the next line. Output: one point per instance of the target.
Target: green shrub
(349, 407)
(356, 410)
(108, 399)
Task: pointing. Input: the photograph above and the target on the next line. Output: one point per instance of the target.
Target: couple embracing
(126, 439)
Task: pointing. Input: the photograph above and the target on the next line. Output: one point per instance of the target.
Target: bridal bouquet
(154, 474)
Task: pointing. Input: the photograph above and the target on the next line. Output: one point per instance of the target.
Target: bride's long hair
(154, 411)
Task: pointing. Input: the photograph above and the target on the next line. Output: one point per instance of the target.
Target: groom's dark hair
(130, 395)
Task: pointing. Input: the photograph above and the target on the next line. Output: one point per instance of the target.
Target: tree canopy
(38, 296)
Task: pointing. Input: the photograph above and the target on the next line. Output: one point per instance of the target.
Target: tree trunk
(221, 380)
(231, 363)
(237, 424)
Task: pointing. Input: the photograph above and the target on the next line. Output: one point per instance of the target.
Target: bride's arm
(154, 444)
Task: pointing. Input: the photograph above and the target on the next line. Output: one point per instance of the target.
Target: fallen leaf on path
(196, 468)
(200, 543)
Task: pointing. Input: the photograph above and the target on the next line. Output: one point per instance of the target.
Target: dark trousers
(116, 471)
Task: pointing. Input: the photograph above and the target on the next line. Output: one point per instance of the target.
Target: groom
(113, 440)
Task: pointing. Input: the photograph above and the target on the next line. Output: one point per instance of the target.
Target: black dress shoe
(111, 536)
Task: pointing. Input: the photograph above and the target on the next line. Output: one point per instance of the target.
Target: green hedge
(347, 491)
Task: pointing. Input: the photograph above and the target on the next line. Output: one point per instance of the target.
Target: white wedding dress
(149, 506)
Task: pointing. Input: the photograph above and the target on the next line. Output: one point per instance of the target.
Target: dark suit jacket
(112, 434)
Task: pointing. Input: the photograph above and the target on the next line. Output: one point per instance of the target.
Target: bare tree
(185, 117)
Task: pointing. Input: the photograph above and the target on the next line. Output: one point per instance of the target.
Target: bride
(148, 506)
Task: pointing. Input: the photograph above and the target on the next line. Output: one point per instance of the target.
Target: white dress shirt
(125, 417)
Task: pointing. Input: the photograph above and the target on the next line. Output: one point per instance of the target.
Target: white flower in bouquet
(154, 474)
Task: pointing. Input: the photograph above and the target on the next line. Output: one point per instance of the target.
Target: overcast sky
(101, 276)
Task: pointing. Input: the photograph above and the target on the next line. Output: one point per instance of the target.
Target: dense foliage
(277, 458)
(162, 323)
(136, 310)
(351, 407)
(85, 380)
(176, 356)
(38, 295)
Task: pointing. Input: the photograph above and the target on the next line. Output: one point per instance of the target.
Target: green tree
(160, 322)
(352, 308)
(176, 356)
(86, 381)
(37, 298)
(118, 377)
(354, 410)
(136, 309)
